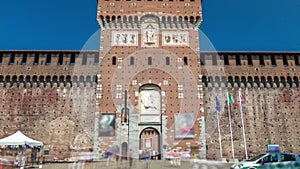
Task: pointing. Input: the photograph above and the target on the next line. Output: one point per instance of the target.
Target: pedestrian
(109, 156)
(130, 157)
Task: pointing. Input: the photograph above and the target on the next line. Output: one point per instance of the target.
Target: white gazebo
(21, 140)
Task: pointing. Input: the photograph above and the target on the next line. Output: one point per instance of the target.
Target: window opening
(149, 60)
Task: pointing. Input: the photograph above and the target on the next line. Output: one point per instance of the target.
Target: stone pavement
(154, 164)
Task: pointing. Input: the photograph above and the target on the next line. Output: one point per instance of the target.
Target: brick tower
(149, 89)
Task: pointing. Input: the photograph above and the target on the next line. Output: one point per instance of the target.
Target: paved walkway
(154, 164)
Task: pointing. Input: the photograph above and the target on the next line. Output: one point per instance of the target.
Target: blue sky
(230, 25)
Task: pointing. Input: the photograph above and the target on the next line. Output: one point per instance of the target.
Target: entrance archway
(150, 141)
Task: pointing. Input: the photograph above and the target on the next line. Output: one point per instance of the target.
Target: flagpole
(220, 139)
(219, 131)
(232, 146)
(243, 126)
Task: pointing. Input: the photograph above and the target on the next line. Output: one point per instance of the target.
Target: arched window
(54, 78)
(61, 78)
(276, 81)
(264, 82)
(224, 80)
(7, 78)
(68, 79)
(256, 80)
(270, 81)
(230, 80)
(48, 78)
(243, 80)
(27, 79)
(81, 79)
(296, 80)
(282, 80)
(289, 81)
(1, 78)
(237, 80)
(75, 79)
(41, 79)
(250, 80)
(14, 78)
(217, 80)
(34, 78)
(21, 78)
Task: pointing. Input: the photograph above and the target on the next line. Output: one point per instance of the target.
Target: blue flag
(218, 107)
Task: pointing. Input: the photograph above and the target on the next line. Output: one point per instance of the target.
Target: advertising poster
(107, 124)
(184, 126)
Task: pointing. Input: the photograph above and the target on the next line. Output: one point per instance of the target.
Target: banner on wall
(107, 124)
(184, 125)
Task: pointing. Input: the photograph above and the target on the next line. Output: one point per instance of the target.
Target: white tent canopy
(19, 139)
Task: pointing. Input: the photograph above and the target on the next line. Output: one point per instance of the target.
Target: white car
(271, 160)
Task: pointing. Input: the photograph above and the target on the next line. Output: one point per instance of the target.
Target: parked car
(271, 160)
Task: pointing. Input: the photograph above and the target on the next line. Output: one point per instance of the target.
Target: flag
(236, 103)
(218, 107)
(243, 101)
(230, 99)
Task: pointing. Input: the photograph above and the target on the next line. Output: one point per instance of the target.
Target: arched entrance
(150, 141)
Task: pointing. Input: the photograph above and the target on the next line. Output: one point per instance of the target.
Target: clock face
(150, 102)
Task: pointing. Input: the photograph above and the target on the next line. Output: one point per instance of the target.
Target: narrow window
(84, 59)
(226, 60)
(131, 60)
(60, 59)
(96, 59)
(214, 60)
(238, 60)
(1, 58)
(296, 58)
(261, 60)
(185, 60)
(149, 60)
(285, 61)
(48, 59)
(167, 60)
(202, 60)
(72, 60)
(273, 60)
(24, 59)
(250, 61)
(114, 60)
(36, 59)
(12, 59)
